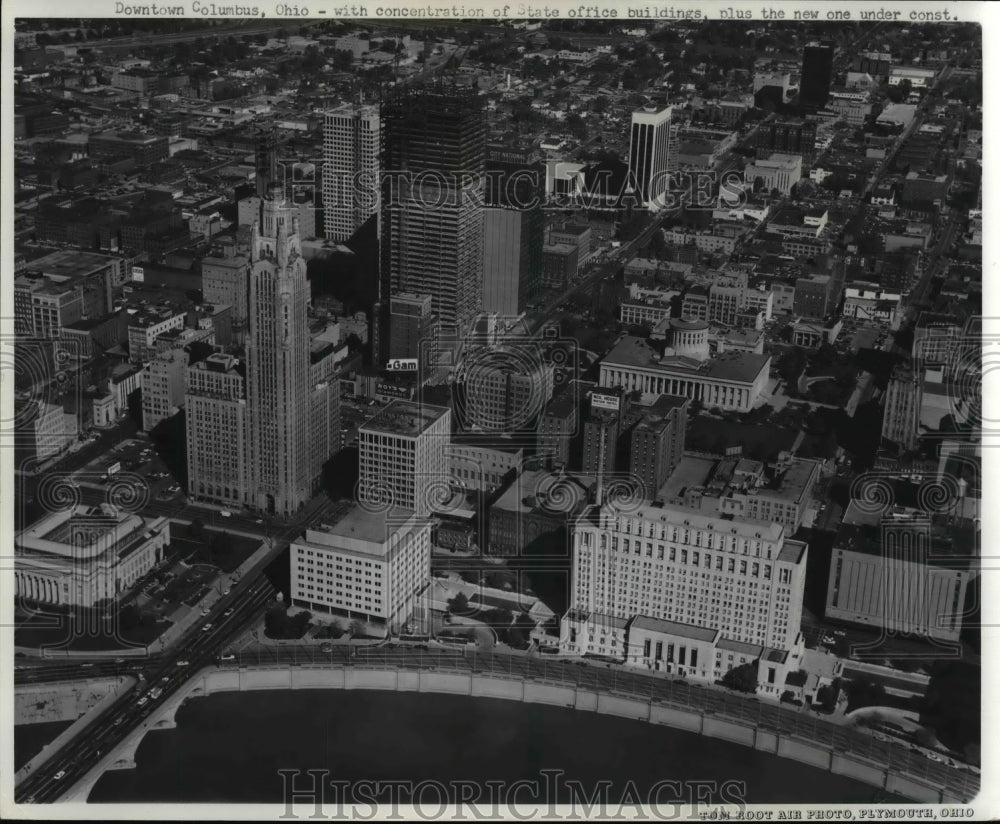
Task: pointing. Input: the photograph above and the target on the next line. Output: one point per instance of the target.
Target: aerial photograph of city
(466, 411)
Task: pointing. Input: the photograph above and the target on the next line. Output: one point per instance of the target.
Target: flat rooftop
(791, 485)
(70, 263)
(363, 525)
(651, 624)
(737, 367)
(405, 418)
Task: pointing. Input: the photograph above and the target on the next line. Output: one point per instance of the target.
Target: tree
(196, 531)
(865, 694)
(129, 617)
(742, 678)
(459, 605)
(221, 546)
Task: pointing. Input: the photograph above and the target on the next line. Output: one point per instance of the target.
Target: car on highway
(933, 756)
(227, 613)
(206, 628)
(58, 775)
(227, 657)
(204, 611)
(182, 663)
(118, 721)
(839, 632)
(143, 701)
(227, 591)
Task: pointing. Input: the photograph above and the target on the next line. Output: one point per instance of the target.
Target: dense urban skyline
(622, 366)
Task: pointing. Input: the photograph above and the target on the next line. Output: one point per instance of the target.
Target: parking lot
(135, 456)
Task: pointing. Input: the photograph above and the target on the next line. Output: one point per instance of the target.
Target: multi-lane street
(161, 676)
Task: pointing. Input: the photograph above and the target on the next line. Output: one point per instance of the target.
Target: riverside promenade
(586, 687)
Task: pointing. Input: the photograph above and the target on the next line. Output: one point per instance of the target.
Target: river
(229, 747)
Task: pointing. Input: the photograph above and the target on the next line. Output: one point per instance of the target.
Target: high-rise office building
(368, 565)
(687, 581)
(282, 464)
(266, 161)
(433, 192)
(656, 442)
(403, 459)
(817, 74)
(514, 230)
(649, 152)
(352, 146)
(411, 321)
(216, 425)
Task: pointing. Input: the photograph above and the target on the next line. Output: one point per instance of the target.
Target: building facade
(649, 153)
(370, 566)
(703, 575)
(404, 457)
(85, 556)
(352, 146)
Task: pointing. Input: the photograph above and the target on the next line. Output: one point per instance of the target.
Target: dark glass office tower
(817, 74)
(433, 166)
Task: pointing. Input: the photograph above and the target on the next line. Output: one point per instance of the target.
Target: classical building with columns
(84, 555)
(731, 380)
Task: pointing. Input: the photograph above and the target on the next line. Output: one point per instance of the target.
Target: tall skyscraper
(432, 221)
(513, 230)
(266, 161)
(649, 152)
(817, 74)
(282, 470)
(352, 145)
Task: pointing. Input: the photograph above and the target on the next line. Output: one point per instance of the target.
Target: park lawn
(84, 632)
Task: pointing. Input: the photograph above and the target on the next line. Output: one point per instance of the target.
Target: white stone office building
(403, 458)
(372, 566)
(706, 592)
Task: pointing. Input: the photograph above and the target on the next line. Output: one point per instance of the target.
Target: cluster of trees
(131, 617)
(865, 694)
(742, 678)
(279, 626)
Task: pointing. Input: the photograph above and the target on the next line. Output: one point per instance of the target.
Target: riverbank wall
(214, 680)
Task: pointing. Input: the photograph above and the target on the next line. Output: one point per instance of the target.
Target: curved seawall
(214, 680)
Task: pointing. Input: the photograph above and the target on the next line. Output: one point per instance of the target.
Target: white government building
(84, 555)
(368, 565)
(732, 380)
(673, 590)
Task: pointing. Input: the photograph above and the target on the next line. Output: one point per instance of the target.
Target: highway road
(166, 672)
(30, 670)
